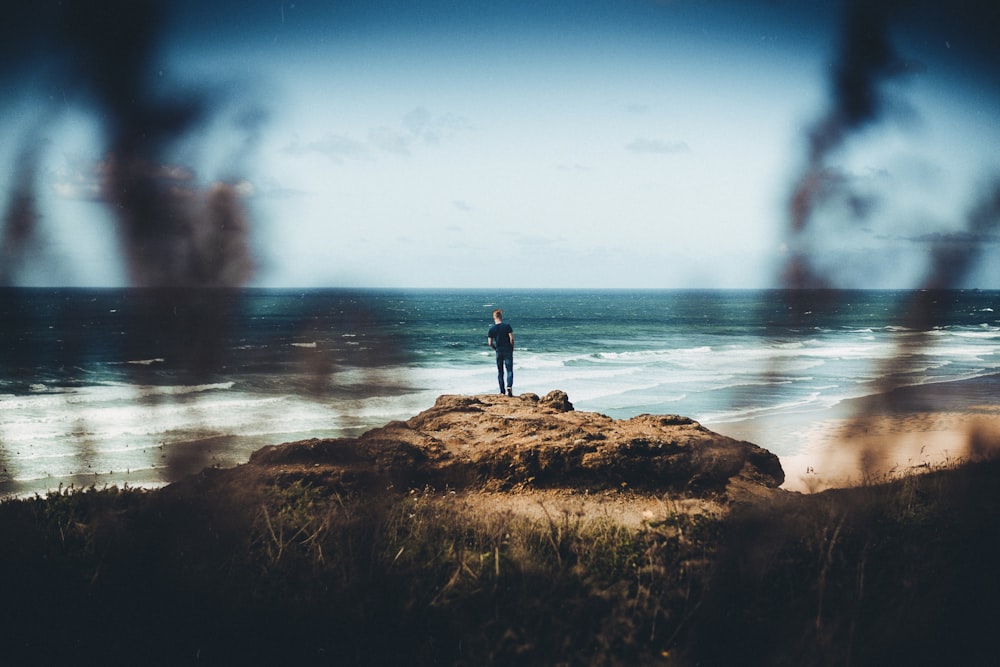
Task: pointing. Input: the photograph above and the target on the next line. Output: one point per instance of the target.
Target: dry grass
(901, 572)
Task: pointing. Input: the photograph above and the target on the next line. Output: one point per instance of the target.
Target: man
(501, 339)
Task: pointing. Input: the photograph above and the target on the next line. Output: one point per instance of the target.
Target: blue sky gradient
(624, 143)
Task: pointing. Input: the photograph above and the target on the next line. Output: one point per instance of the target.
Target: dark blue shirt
(500, 334)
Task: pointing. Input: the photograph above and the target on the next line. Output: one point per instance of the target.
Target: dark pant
(505, 357)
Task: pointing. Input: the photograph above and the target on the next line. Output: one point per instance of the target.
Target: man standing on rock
(501, 339)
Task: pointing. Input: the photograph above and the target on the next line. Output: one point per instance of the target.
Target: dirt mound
(498, 443)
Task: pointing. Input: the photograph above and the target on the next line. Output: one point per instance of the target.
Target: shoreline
(862, 440)
(882, 436)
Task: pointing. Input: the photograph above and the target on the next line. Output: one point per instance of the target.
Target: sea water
(140, 387)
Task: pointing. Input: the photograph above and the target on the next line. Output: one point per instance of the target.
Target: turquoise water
(114, 386)
(712, 355)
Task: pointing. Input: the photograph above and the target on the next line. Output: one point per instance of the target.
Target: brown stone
(495, 443)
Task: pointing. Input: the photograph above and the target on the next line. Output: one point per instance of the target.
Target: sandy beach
(848, 452)
(872, 439)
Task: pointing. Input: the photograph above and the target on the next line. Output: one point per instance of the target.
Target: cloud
(417, 120)
(953, 255)
(334, 146)
(84, 180)
(418, 127)
(537, 242)
(430, 129)
(78, 181)
(842, 191)
(462, 205)
(389, 140)
(642, 146)
(962, 238)
(271, 188)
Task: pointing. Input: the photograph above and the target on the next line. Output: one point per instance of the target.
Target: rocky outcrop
(498, 443)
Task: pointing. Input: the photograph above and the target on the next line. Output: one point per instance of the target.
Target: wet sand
(872, 439)
(858, 441)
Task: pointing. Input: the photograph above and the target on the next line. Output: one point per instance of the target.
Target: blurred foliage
(900, 572)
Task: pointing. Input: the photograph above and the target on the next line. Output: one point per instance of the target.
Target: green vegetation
(298, 573)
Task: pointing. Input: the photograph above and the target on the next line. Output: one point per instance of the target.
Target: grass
(902, 572)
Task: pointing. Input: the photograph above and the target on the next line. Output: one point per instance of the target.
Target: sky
(545, 144)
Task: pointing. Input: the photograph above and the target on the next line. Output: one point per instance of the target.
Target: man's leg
(500, 362)
(509, 363)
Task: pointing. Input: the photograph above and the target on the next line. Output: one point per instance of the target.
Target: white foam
(811, 401)
(146, 362)
(992, 334)
(57, 432)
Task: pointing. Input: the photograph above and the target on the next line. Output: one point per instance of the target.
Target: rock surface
(494, 443)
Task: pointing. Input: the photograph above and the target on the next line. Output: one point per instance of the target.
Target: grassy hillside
(205, 572)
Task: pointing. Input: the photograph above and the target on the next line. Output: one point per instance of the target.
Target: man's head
(498, 315)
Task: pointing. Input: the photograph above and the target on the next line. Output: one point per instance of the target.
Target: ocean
(140, 387)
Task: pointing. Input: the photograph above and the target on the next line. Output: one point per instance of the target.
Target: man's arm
(489, 341)
(512, 338)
